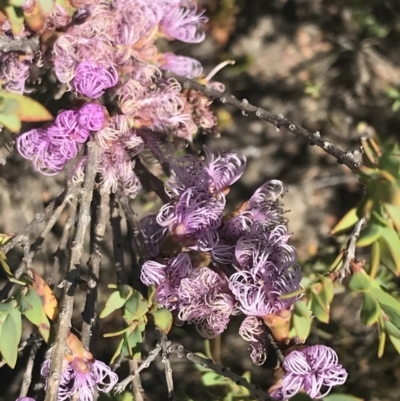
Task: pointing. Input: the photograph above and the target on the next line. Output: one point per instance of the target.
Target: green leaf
(135, 340)
(7, 270)
(7, 307)
(396, 343)
(16, 3)
(118, 351)
(11, 122)
(15, 20)
(319, 308)
(369, 235)
(341, 397)
(370, 310)
(213, 379)
(163, 320)
(151, 292)
(359, 282)
(301, 320)
(136, 305)
(349, 219)
(394, 213)
(391, 238)
(29, 110)
(35, 311)
(392, 330)
(375, 259)
(328, 289)
(116, 333)
(10, 337)
(116, 301)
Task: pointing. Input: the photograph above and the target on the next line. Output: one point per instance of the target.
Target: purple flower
(14, 72)
(182, 22)
(93, 79)
(82, 377)
(268, 270)
(206, 301)
(310, 369)
(47, 157)
(254, 330)
(92, 117)
(167, 278)
(181, 65)
(225, 168)
(195, 213)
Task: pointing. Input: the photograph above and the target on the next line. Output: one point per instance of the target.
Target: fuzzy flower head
(314, 369)
(206, 301)
(81, 374)
(92, 116)
(93, 79)
(25, 399)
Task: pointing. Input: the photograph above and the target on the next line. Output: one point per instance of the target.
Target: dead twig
(64, 320)
(100, 212)
(279, 121)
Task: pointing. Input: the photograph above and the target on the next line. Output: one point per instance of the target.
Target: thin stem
(350, 251)
(222, 370)
(118, 243)
(100, 213)
(61, 253)
(120, 387)
(42, 217)
(136, 381)
(165, 344)
(150, 182)
(279, 121)
(134, 224)
(64, 320)
(35, 342)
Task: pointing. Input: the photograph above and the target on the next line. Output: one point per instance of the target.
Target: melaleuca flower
(268, 270)
(152, 233)
(167, 276)
(81, 373)
(47, 157)
(14, 71)
(224, 169)
(195, 213)
(181, 21)
(205, 301)
(181, 65)
(93, 79)
(92, 116)
(254, 330)
(312, 369)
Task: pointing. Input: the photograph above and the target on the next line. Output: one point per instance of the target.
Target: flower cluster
(51, 147)
(98, 47)
(309, 369)
(244, 254)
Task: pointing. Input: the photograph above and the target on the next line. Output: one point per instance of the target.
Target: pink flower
(310, 369)
(181, 65)
(93, 79)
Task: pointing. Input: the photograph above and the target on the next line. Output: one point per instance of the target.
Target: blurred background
(332, 66)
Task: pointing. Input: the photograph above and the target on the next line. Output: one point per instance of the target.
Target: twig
(29, 251)
(42, 217)
(97, 235)
(279, 121)
(64, 320)
(165, 344)
(61, 253)
(150, 182)
(222, 370)
(118, 243)
(35, 342)
(23, 45)
(136, 381)
(350, 251)
(120, 387)
(274, 346)
(134, 224)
